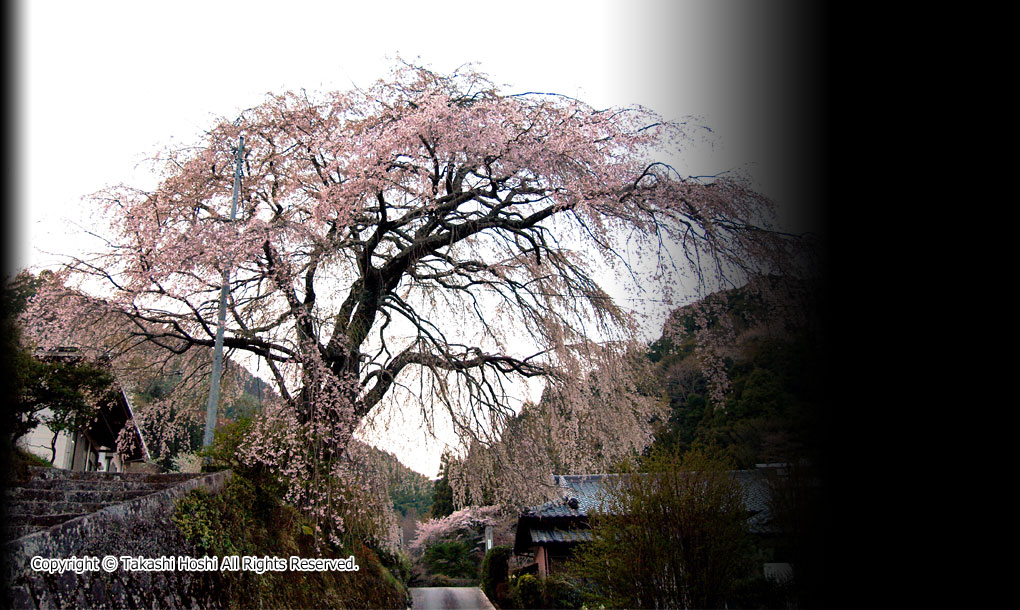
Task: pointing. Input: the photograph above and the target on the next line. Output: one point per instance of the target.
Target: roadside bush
(452, 545)
(527, 593)
(397, 562)
(440, 580)
(558, 592)
(199, 516)
(494, 571)
(675, 536)
(504, 595)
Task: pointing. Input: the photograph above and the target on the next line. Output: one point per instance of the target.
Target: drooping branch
(472, 359)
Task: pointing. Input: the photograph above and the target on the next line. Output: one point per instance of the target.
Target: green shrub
(200, 518)
(222, 453)
(398, 563)
(32, 459)
(503, 596)
(527, 592)
(676, 536)
(454, 558)
(558, 592)
(494, 570)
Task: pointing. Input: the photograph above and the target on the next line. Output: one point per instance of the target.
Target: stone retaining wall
(138, 527)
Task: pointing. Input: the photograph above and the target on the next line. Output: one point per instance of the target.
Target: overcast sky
(102, 85)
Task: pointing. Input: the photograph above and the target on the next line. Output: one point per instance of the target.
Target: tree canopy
(65, 392)
(429, 238)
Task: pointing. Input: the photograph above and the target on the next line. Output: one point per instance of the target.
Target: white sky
(104, 84)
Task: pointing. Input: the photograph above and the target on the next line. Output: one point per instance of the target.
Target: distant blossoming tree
(468, 521)
(429, 238)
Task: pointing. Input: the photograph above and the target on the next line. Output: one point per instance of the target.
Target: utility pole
(217, 370)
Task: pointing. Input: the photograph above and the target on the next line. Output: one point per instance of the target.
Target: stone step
(86, 485)
(41, 521)
(28, 494)
(39, 472)
(51, 496)
(10, 532)
(54, 508)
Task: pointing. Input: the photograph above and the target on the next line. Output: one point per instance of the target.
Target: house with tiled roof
(549, 532)
(94, 447)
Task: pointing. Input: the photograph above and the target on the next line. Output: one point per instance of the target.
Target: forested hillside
(410, 490)
(730, 377)
(775, 407)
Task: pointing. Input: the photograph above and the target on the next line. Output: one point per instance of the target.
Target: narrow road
(449, 598)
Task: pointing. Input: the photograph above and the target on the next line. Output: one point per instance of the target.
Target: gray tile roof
(545, 536)
(755, 490)
(591, 491)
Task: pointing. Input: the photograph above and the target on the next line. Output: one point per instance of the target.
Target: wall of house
(38, 442)
(74, 451)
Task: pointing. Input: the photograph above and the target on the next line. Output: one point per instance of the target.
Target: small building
(95, 447)
(549, 532)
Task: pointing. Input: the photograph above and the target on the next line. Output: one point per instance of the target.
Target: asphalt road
(449, 598)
